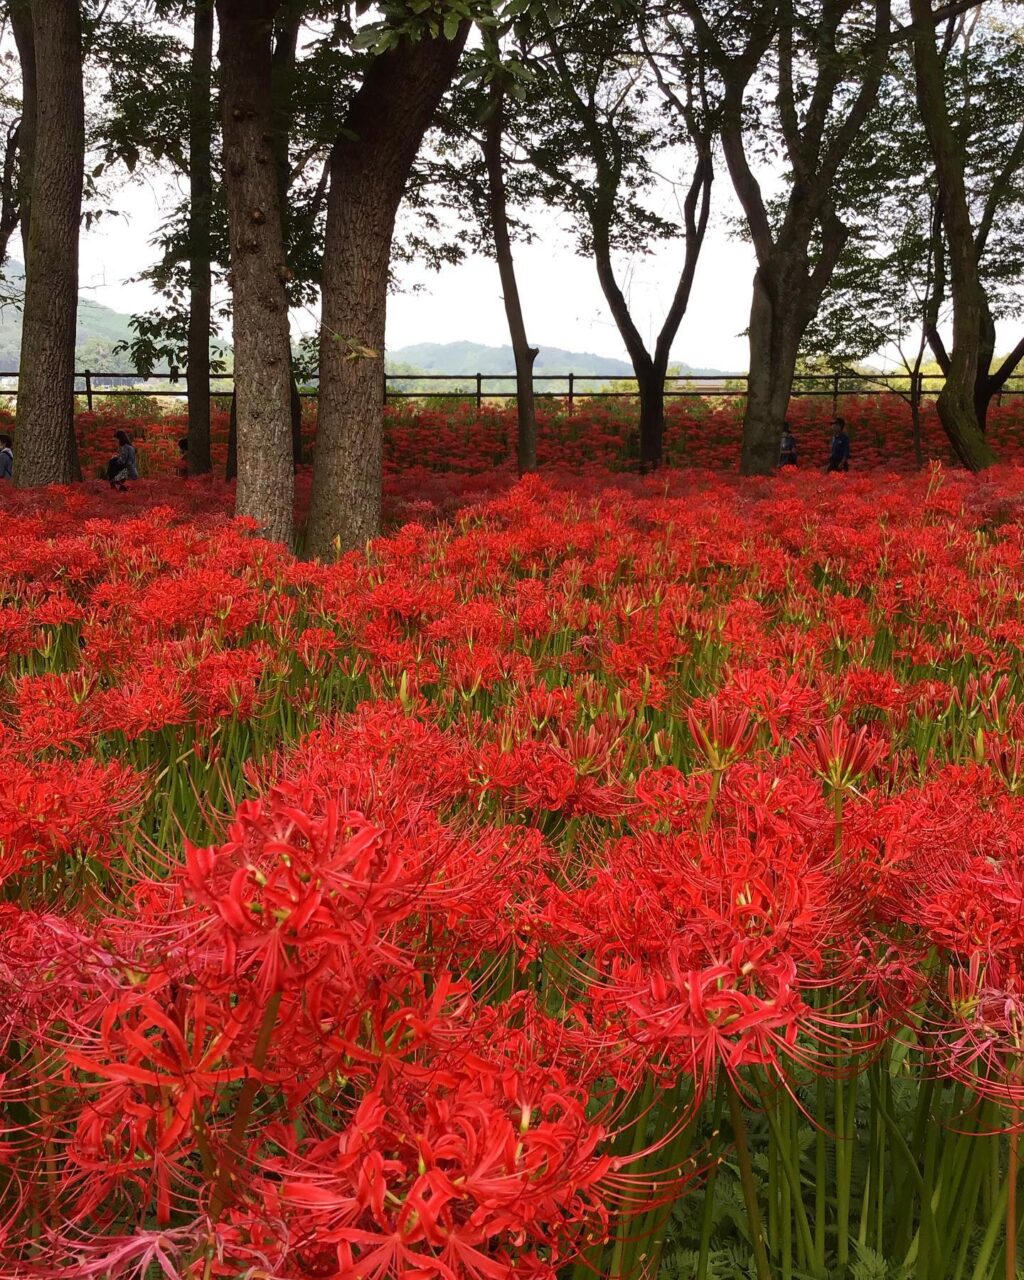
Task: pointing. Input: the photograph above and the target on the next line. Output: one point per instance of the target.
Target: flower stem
(1011, 1198)
(739, 1129)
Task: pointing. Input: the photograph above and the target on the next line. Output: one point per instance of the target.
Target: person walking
(124, 465)
(6, 458)
(787, 451)
(839, 457)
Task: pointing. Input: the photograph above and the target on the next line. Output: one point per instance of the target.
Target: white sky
(561, 297)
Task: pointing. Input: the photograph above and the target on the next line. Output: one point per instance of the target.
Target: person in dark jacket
(6, 458)
(787, 450)
(839, 457)
(183, 458)
(124, 464)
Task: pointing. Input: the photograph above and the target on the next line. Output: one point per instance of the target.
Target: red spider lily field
(600, 875)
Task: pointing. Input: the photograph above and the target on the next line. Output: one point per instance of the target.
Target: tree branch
(998, 189)
(999, 379)
(940, 15)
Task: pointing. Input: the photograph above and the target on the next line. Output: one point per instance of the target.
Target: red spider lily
(721, 737)
(396, 1015)
(437, 1169)
(840, 756)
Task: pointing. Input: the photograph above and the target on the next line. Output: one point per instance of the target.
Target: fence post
(835, 393)
(572, 379)
(88, 390)
(479, 392)
(384, 382)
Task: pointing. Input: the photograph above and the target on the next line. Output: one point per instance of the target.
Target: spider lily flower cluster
(618, 881)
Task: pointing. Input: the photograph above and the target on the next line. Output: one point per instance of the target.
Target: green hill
(99, 330)
(465, 359)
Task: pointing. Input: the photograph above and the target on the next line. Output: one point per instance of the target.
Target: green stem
(820, 1173)
(708, 1211)
(739, 1129)
(709, 808)
(993, 1231)
(791, 1169)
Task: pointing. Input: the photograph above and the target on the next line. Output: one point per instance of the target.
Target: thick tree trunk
(956, 403)
(259, 274)
(200, 238)
(370, 167)
(774, 337)
(46, 452)
(651, 388)
(523, 353)
(651, 394)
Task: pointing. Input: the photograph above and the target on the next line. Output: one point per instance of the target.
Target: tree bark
(231, 466)
(956, 403)
(46, 452)
(370, 165)
(259, 274)
(523, 353)
(983, 388)
(200, 238)
(10, 190)
(24, 38)
(774, 338)
(286, 43)
(651, 391)
(296, 416)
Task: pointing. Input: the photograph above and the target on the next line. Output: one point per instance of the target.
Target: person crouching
(124, 465)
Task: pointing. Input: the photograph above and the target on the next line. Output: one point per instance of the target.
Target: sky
(561, 296)
(562, 300)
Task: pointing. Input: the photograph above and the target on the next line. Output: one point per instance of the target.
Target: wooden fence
(574, 386)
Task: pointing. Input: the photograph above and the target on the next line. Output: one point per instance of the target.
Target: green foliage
(160, 340)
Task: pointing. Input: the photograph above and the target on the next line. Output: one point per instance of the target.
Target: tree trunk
(523, 353)
(296, 416)
(370, 166)
(259, 274)
(915, 421)
(650, 381)
(200, 239)
(231, 467)
(651, 388)
(46, 452)
(286, 43)
(24, 38)
(956, 403)
(984, 384)
(774, 337)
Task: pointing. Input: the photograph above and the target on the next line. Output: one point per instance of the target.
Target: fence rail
(93, 385)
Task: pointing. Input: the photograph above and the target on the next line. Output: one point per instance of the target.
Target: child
(6, 458)
(839, 458)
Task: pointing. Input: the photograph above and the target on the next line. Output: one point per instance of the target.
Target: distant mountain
(463, 359)
(99, 330)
